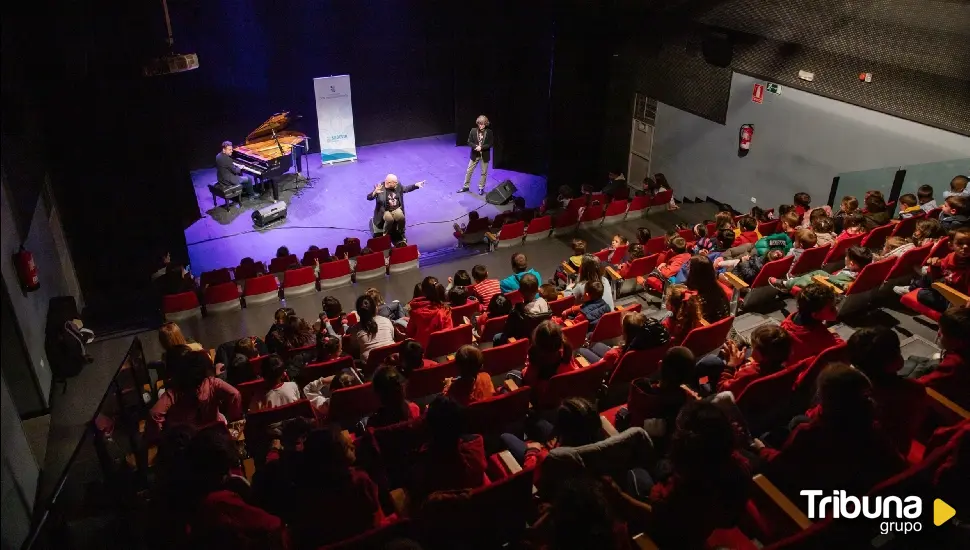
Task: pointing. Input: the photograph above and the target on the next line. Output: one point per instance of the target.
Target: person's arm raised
(373, 194)
(409, 188)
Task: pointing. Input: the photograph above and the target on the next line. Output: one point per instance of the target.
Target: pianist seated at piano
(229, 173)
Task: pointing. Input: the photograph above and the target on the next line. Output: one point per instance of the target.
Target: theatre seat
(181, 306)
(370, 266)
(443, 342)
(430, 380)
(909, 301)
(334, 274)
(222, 297)
(493, 326)
(565, 223)
(379, 244)
(511, 234)
(592, 216)
(575, 333)
(297, 282)
(539, 228)
(494, 415)
(469, 310)
(501, 359)
(261, 289)
(638, 206)
(615, 212)
(403, 259)
(704, 340)
(348, 405)
(562, 304)
(279, 265)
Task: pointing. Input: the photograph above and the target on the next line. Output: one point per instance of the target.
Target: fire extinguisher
(744, 139)
(26, 270)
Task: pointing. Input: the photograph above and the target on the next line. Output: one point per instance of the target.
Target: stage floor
(334, 205)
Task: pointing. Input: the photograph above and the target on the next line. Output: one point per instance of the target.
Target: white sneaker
(901, 290)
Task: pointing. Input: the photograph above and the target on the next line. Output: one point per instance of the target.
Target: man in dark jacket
(480, 140)
(389, 204)
(229, 174)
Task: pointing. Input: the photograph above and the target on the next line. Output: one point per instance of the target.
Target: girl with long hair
(686, 312)
(372, 330)
(703, 279)
(589, 270)
(195, 396)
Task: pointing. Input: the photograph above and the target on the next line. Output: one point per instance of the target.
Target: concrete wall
(801, 141)
(31, 308)
(20, 474)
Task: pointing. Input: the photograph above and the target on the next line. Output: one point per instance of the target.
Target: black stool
(228, 192)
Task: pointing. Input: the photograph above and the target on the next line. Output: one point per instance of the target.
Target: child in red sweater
(806, 327)
(747, 231)
(953, 270)
(803, 203)
(952, 376)
(451, 460)
(429, 315)
(852, 225)
(636, 252)
(686, 311)
(771, 346)
(549, 355)
(677, 257)
(388, 384)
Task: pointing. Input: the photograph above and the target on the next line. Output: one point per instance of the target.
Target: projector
(269, 214)
(171, 64)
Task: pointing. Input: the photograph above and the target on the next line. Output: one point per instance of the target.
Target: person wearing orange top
(472, 385)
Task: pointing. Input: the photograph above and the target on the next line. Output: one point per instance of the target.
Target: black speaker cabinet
(501, 194)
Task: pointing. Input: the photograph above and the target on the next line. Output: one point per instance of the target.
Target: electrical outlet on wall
(754, 200)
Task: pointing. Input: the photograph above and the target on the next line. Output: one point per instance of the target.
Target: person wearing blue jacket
(520, 266)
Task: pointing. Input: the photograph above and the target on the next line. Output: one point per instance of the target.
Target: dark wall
(258, 57)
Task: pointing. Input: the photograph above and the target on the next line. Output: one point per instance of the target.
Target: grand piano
(271, 150)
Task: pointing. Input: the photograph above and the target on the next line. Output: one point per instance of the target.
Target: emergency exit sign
(773, 88)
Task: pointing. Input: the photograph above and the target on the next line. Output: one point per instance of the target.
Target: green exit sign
(773, 88)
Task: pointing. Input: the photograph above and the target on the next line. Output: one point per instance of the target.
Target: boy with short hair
(925, 197)
(909, 206)
(804, 239)
(955, 212)
(548, 292)
(529, 287)
(747, 231)
(579, 250)
(953, 270)
(816, 306)
(593, 308)
(958, 187)
(856, 258)
(484, 288)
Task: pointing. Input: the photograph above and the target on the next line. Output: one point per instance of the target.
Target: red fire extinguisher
(744, 139)
(26, 270)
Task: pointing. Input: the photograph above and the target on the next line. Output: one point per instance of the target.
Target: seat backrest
(502, 359)
(514, 297)
(768, 228)
(597, 198)
(296, 277)
(246, 271)
(705, 339)
(334, 269)
(803, 389)
(323, 369)
(379, 244)
(223, 292)
(810, 260)
(180, 302)
(493, 415)
(404, 254)
(602, 255)
(765, 401)
(574, 205)
(910, 260)
(391, 450)
(837, 253)
(576, 334)
(941, 248)
(776, 268)
(687, 234)
(562, 304)
(637, 364)
(309, 258)
(567, 218)
(618, 254)
(378, 355)
(247, 390)
(907, 226)
(431, 379)
(616, 207)
(348, 405)
(639, 203)
(513, 230)
(540, 224)
(368, 262)
(662, 197)
(256, 364)
(877, 237)
(448, 341)
(609, 326)
(640, 267)
(479, 225)
(261, 285)
(459, 313)
(655, 245)
(871, 276)
(493, 326)
(215, 277)
(258, 423)
(276, 265)
(584, 382)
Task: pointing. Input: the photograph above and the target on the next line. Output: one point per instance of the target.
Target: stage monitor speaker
(269, 214)
(501, 194)
(718, 49)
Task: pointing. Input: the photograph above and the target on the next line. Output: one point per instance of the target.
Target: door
(641, 140)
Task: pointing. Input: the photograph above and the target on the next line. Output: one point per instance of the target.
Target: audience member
(472, 384)
(896, 247)
(644, 235)
(908, 206)
(824, 229)
(856, 258)
(394, 407)
(804, 239)
(958, 187)
(636, 252)
(577, 424)
(667, 396)
(393, 311)
(776, 241)
(876, 212)
(333, 313)
(925, 197)
(848, 206)
(686, 312)
(520, 267)
(771, 347)
(194, 396)
(296, 333)
(928, 232)
(806, 327)
(639, 333)
(761, 215)
(499, 306)
(329, 347)
(549, 355)
(853, 225)
(590, 271)
(593, 308)
(276, 391)
(484, 288)
(703, 280)
(410, 358)
(170, 337)
(952, 375)
(955, 212)
(451, 459)
(279, 320)
(677, 257)
(747, 231)
(953, 270)
(430, 315)
(318, 391)
(533, 304)
(580, 516)
(461, 278)
(457, 296)
(372, 331)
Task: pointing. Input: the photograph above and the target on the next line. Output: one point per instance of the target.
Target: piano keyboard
(248, 169)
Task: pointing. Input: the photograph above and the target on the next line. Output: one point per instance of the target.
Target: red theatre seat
(511, 234)
(215, 277)
(279, 265)
(222, 297)
(370, 266)
(703, 340)
(181, 306)
(261, 289)
(297, 282)
(539, 228)
(615, 212)
(403, 258)
(447, 341)
(379, 244)
(593, 215)
(334, 274)
(565, 223)
(502, 359)
(638, 206)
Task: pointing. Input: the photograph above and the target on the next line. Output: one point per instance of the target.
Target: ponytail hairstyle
(366, 312)
(686, 307)
(549, 349)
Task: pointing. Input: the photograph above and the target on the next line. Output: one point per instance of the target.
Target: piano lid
(277, 122)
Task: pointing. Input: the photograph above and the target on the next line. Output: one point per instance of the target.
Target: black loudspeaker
(501, 194)
(718, 49)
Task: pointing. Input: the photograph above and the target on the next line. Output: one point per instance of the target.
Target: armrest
(509, 462)
(512, 340)
(943, 404)
(820, 279)
(568, 268)
(451, 357)
(951, 294)
(249, 468)
(644, 542)
(511, 385)
(569, 322)
(781, 501)
(491, 236)
(582, 361)
(613, 274)
(399, 499)
(735, 281)
(608, 428)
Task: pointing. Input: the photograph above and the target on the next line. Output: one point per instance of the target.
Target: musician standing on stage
(389, 207)
(229, 173)
(480, 140)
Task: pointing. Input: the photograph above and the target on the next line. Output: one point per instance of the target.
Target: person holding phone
(389, 204)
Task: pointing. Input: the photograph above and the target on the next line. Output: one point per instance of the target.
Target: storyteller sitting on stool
(389, 207)
(230, 174)
(480, 141)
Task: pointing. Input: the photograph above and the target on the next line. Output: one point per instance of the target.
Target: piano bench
(227, 192)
